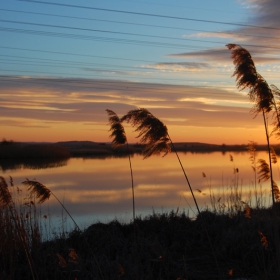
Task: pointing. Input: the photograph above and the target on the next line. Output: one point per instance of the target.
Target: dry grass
(159, 246)
(168, 246)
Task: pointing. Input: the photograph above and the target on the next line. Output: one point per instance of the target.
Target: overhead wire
(97, 38)
(148, 14)
(106, 39)
(140, 24)
(119, 33)
(50, 62)
(24, 60)
(113, 73)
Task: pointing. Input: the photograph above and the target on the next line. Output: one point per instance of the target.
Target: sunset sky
(63, 63)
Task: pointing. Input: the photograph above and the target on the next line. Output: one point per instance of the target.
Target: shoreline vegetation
(65, 150)
(159, 246)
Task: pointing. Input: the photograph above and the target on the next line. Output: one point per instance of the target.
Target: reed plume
(117, 130)
(276, 191)
(151, 131)
(120, 139)
(276, 114)
(41, 192)
(273, 155)
(264, 175)
(5, 195)
(263, 170)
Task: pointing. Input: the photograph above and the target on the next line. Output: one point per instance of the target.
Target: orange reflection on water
(102, 187)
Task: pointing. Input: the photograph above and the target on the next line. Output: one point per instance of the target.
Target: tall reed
(154, 134)
(119, 139)
(264, 102)
(259, 92)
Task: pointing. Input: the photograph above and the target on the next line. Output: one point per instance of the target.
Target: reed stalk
(119, 139)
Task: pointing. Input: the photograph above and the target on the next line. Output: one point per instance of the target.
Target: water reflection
(99, 189)
(32, 163)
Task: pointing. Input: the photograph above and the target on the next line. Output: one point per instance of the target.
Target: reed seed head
(263, 170)
(117, 130)
(276, 191)
(5, 195)
(248, 77)
(151, 131)
(41, 192)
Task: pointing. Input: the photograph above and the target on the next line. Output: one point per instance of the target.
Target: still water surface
(99, 189)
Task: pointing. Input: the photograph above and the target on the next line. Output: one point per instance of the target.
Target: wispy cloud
(118, 72)
(215, 54)
(260, 35)
(80, 105)
(179, 66)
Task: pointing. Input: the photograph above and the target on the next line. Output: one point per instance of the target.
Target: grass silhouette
(264, 102)
(261, 95)
(120, 139)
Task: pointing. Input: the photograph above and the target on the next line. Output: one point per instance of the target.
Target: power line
(184, 7)
(106, 31)
(76, 54)
(98, 72)
(97, 38)
(138, 24)
(147, 14)
(55, 63)
(116, 40)
(79, 64)
(110, 32)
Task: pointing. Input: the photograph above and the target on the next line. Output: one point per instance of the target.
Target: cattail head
(151, 131)
(41, 192)
(117, 130)
(5, 195)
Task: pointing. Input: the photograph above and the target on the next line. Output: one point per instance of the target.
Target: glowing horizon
(74, 63)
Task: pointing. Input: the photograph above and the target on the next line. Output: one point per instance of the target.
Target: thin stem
(132, 183)
(208, 237)
(66, 211)
(269, 156)
(185, 175)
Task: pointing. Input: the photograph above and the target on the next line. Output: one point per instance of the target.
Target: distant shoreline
(68, 149)
(79, 148)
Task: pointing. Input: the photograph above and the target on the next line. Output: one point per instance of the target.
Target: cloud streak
(61, 107)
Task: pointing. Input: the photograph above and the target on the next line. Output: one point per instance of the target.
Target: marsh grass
(21, 228)
(159, 246)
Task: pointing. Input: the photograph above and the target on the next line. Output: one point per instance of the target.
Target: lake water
(99, 189)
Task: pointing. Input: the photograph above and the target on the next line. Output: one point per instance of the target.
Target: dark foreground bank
(165, 246)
